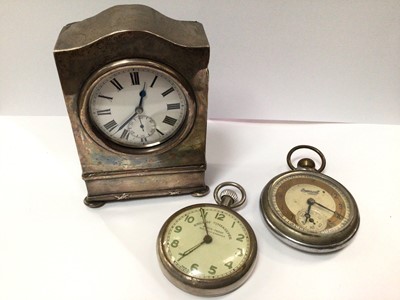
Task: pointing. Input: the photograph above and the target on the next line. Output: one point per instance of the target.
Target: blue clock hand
(138, 109)
(142, 94)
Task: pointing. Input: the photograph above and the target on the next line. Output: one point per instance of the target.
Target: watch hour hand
(307, 214)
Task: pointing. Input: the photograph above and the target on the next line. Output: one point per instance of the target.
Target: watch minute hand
(187, 252)
(327, 208)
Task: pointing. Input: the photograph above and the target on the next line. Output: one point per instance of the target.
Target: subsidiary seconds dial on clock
(137, 106)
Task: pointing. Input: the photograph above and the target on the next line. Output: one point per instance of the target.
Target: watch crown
(228, 197)
(229, 193)
(306, 163)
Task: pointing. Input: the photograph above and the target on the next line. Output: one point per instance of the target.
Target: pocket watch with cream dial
(309, 210)
(207, 249)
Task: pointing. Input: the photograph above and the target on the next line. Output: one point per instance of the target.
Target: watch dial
(206, 242)
(310, 205)
(137, 106)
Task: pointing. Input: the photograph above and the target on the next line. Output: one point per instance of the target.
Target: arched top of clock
(133, 18)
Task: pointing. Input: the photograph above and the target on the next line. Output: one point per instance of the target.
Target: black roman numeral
(110, 125)
(154, 81)
(105, 97)
(169, 91)
(125, 134)
(135, 78)
(172, 106)
(103, 112)
(169, 120)
(117, 85)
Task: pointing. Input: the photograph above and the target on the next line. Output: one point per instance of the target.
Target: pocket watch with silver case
(208, 249)
(309, 210)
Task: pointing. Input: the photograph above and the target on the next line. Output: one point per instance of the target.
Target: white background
(333, 61)
(53, 247)
(326, 61)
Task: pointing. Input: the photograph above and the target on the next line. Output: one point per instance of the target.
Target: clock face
(309, 205)
(137, 106)
(207, 244)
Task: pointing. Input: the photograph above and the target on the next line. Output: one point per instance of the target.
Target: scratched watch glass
(137, 106)
(309, 210)
(207, 249)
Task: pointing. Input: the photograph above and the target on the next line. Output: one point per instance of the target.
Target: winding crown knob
(229, 193)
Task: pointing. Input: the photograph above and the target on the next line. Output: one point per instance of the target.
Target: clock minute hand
(127, 121)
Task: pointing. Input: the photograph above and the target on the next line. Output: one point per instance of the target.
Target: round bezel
(160, 146)
(301, 238)
(206, 286)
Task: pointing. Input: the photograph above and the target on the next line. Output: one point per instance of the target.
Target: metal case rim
(303, 241)
(102, 141)
(207, 287)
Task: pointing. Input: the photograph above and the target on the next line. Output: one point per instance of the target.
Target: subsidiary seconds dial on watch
(207, 249)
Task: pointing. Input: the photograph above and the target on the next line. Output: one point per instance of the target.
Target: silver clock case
(132, 32)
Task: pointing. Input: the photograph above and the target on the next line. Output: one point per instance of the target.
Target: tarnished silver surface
(136, 32)
(275, 200)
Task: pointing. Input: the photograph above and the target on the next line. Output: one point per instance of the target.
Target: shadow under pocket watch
(208, 249)
(309, 210)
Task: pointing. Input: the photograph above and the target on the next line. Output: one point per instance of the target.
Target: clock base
(130, 185)
(99, 201)
(202, 192)
(93, 204)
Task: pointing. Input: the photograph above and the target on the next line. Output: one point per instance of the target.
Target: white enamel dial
(137, 106)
